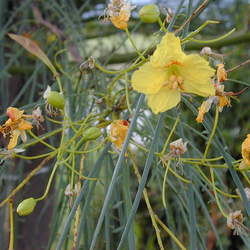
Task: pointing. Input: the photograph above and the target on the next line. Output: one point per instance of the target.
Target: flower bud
(55, 99)
(91, 134)
(26, 206)
(149, 13)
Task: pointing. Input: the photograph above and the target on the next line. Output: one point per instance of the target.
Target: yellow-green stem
(215, 194)
(134, 46)
(216, 119)
(11, 218)
(164, 185)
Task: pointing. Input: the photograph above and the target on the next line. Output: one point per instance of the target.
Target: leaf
(32, 47)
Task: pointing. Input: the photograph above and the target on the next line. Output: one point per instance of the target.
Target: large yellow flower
(245, 150)
(169, 73)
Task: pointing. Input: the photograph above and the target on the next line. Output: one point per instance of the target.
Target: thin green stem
(11, 219)
(162, 25)
(216, 119)
(215, 194)
(169, 136)
(40, 140)
(168, 231)
(134, 46)
(164, 185)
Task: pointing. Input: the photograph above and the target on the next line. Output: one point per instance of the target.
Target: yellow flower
(118, 132)
(15, 126)
(171, 72)
(245, 150)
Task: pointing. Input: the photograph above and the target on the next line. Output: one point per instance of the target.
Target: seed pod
(26, 206)
(149, 13)
(55, 99)
(91, 134)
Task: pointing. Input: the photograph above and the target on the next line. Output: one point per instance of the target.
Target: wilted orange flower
(221, 99)
(118, 132)
(221, 73)
(118, 12)
(245, 150)
(178, 147)
(15, 126)
(204, 108)
(233, 217)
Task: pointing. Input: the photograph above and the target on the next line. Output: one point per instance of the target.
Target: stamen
(175, 82)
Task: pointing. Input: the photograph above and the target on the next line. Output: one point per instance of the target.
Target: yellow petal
(221, 73)
(14, 113)
(121, 21)
(202, 90)
(164, 100)
(203, 109)
(167, 51)
(118, 132)
(148, 80)
(13, 139)
(197, 74)
(24, 125)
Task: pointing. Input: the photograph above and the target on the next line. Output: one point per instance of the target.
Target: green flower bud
(149, 13)
(55, 99)
(91, 134)
(26, 206)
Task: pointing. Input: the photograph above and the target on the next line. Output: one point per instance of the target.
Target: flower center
(175, 82)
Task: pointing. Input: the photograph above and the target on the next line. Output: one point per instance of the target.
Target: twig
(238, 66)
(194, 14)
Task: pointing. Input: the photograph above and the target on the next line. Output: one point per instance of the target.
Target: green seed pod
(55, 99)
(149, 13)
(91, 134)
(26, 206)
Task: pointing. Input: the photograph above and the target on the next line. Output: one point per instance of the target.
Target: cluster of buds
(118, 12)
